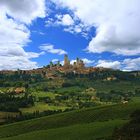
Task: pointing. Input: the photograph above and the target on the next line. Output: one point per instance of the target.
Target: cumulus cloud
(126, 64)
(50, 48)
(60, 19)
(14, 63)
(117, 24)
(65, 20)
(109, 64)
(15, 15)
(25, 10)
(131, 64)
(70, 23)
(88, 61)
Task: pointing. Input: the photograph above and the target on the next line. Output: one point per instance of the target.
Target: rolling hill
(92, 123)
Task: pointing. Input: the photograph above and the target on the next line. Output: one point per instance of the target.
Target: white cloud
(65, 20)
(117, 24)
(70, 23)
(15, 34)
(55, 60)
(72, 61)
(109, 64)
(16, 62)
(50, 48)
(25, 10)
(131, 64)
(60, 19)
(87, 61)
(126, 64)
(78, 29)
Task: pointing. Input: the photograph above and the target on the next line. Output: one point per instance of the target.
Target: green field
(88, 131)
(89, 123)
(41, 107)
(44, 94)
(4, 115)
(101, 86)
(113, 85)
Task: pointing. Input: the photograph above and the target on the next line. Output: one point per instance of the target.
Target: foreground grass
(101, 113)
(88, 131)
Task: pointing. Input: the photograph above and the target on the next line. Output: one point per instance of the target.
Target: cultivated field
(97, 122)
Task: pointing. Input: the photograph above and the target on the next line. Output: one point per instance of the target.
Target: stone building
(66, 61)
(79, 63)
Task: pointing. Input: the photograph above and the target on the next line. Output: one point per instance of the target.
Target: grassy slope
(117, 86)
(86, 131)
(81, 117)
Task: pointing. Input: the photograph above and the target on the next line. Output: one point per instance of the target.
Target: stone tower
(66, 61)
(51, 64)
(79, 63)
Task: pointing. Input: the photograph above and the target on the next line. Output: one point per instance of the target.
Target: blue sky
(41, 31)
(73, 44)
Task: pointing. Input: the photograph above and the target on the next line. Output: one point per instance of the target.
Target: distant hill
(55, 71)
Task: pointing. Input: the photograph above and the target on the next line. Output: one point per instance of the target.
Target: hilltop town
(77, 67)
(57, 70)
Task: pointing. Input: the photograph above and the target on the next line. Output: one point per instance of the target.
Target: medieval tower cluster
(78, 64)
(67, 66)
